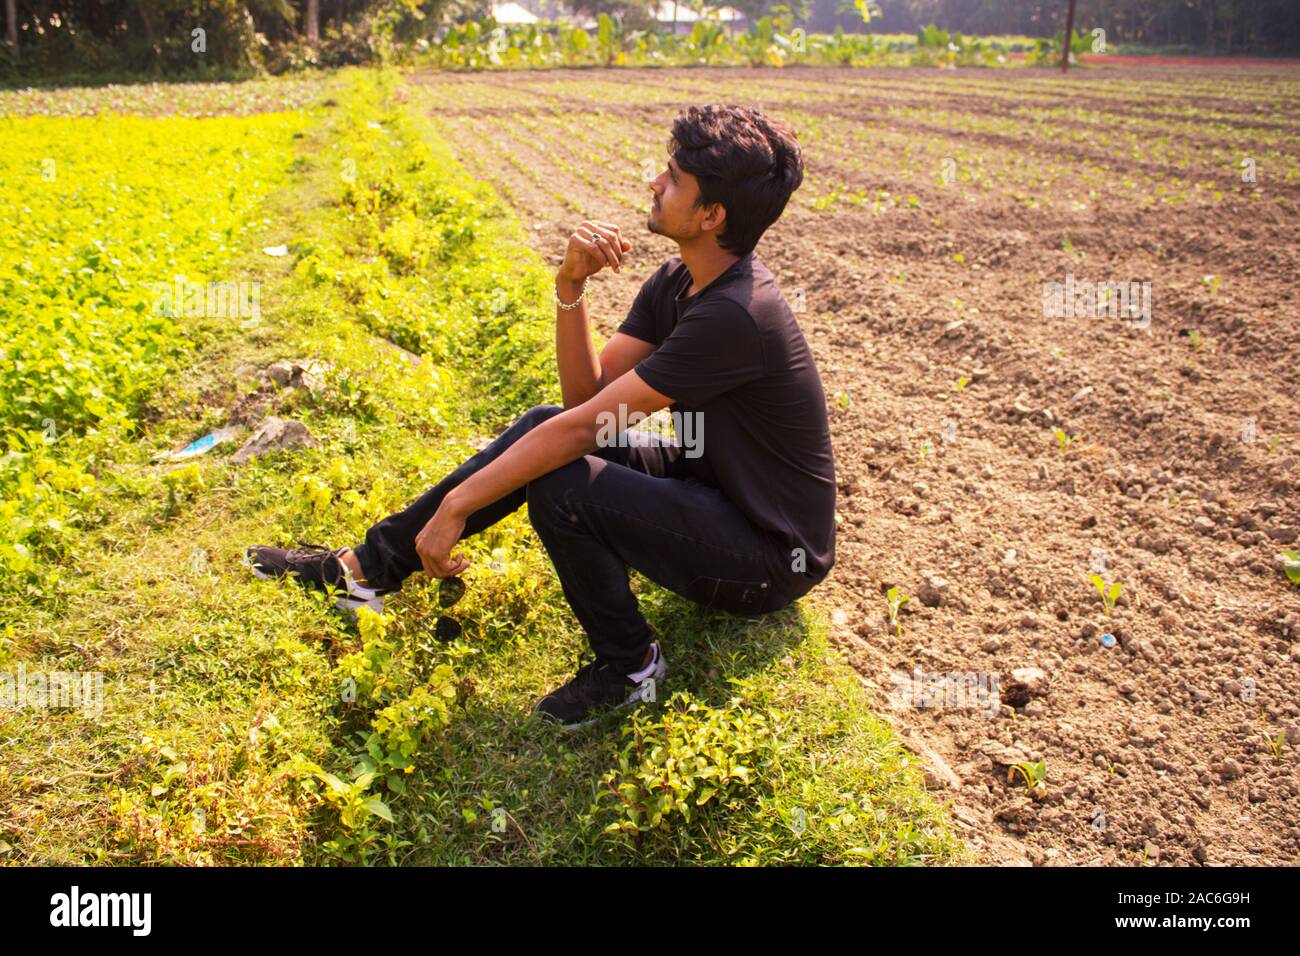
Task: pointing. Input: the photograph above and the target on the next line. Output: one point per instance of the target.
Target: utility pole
(1069, 32)
(11, 26)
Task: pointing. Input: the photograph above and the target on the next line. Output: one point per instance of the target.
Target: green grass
(225, 736)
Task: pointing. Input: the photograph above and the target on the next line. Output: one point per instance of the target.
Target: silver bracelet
(574, 304)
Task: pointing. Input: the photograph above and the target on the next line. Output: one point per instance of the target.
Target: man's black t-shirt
(735, 354)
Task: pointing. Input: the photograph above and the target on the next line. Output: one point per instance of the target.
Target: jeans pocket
(738, 597)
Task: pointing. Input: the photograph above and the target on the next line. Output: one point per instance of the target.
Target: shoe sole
(375, 604)
(633, 698)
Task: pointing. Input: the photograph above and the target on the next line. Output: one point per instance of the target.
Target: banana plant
(762, 46)
(608, 40)
(706, 40)
(574, 44)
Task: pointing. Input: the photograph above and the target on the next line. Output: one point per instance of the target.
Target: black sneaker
(314, 566)
(596, 687)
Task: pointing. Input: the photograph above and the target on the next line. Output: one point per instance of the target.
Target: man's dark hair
(744, 160)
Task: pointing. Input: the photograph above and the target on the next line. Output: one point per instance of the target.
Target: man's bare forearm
(575, 354)
(592, 247)
(551, 445)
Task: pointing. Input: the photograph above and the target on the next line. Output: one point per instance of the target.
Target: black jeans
(631, 505)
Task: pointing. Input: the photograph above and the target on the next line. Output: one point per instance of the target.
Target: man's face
(673, 212)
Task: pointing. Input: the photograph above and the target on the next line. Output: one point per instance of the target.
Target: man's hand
(592, 246)
(434, 543)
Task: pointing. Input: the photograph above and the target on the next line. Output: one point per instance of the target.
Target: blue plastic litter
(202, 445)
(197, 447)
(1108, 640)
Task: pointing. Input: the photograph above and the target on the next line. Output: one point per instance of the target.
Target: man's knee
(540, 413)
(547, 493)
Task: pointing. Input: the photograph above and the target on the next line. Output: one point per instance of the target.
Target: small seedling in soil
(1033, 774)
(1063, 440)
(961, 383)
(842, 399)
(1291, 564)
(1197, 340)
(926, 448)
(896, 599)
(1109, 595)
(1211, 283)
(1276, 744)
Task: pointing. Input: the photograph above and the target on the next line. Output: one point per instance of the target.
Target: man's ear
(715, 218)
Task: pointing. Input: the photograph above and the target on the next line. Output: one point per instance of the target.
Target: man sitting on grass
(743, 521)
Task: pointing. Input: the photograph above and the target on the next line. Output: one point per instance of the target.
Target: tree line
(1217, 27)
(230, 35)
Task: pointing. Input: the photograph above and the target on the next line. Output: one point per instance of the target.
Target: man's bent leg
(597, 518)
(388, 555)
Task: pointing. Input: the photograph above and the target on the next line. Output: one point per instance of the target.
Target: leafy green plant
(402, 728)
(707, 40)
(684, 758)
(847, 49)
(1034, 775)
(1291, 564)
(1064, 441)
(1109, 595)
(397, 731)
(1047, 51)
(761, 44)
(574, 43)
(1276, 744)
(183, 483)
(364, 675)
(608, 40)
(352, 798)
(866, 9)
